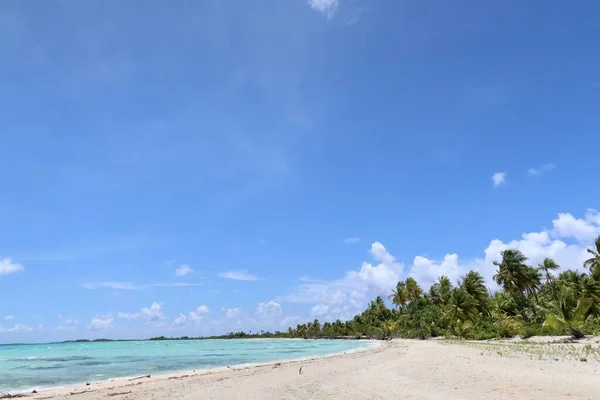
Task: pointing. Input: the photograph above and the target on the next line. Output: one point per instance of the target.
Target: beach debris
(300, 370)
(85, 391)
(277, 365)
(88, 384)
(35, 391)
(140, 377)
(118, 393)
(10, 396)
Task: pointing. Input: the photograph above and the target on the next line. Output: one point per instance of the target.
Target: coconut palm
(547, 266)
(502, 303)
(463, 329)
(533, 282)
(512, 275)
(462, 306)
(564, 313)
(413, 290)
(593, 263)
(399, 295)
(474, 284)
(388, 328)
(441, 290)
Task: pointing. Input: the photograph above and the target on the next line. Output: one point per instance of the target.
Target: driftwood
(118, 393)
(11, 396)
(139, 377)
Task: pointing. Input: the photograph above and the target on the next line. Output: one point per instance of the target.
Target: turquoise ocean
(25, 367)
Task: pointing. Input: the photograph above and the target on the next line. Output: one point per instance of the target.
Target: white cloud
(67, 320)
(499, 178)
(184, 270)
(535, 245)
(180, 320)
(67, 324)
(174, 284)
(199, 314)
(325, 7)
(133, 286)
(101, 322)
(566, 243)
(269, 310)
(111, 285)
(351, 240)
(152, 313)
(292, 321)
(233, 312)
(348, 294)
(319, 309)
(538, 171)
(9, 317)
(19, 328)
(567, 226)
(8, 266)
(239, 276)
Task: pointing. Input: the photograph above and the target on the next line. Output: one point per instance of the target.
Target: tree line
(531, 300)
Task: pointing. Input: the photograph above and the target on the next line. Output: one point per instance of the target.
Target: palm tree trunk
(520, 307)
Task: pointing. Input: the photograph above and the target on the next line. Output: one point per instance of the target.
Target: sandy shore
(432, 369)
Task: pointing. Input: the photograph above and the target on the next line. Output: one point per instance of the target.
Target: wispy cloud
(325, 7)
(104, 247)
(239, 276)
(351, 240)
(9, 317)
(499, 178)
(67, 324)
(111, 285)
(133, 286)
(16, 329)
(8, 266)
(173, 284)
(184, 270)
(541, 170)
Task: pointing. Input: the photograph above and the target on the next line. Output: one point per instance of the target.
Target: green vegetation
(232, 335)
(531, 301)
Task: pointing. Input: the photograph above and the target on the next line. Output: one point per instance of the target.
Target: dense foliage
(531, 300)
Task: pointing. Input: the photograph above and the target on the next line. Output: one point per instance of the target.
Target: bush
(530, 330)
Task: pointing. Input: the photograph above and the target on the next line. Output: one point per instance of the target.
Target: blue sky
(200, 167)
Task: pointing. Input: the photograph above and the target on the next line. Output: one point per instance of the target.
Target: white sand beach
(433, 369)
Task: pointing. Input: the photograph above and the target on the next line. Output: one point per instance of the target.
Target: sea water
(37, 366)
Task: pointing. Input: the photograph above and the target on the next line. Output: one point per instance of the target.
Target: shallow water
(36, 366)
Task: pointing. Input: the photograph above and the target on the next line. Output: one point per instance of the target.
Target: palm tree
(474, 284)
(593, 263)
(461, 307)
(388, 328)
(413, 290)
(503, 303)
(533, 282)
(547, 266)
(441, 290)
(589, 288)
(563, 313)
(512, 276)
(398, 295)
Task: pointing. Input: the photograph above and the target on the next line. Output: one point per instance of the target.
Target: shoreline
(53, 390)
(532, 369)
